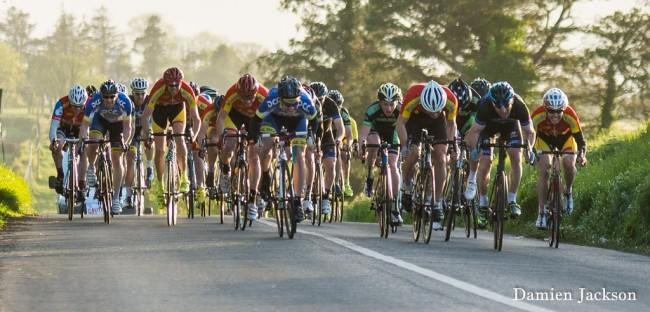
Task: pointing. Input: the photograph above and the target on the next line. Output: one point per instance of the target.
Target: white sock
(483, 200)
(512, 197)
(472, 176)
(149, 163)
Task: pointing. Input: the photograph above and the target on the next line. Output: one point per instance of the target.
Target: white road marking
(476, 290)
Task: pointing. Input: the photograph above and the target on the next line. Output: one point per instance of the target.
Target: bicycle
(499, 190)
(423, 192)
(317, 187)
(337, 191)
(71, 191)
(282, 188)
(137, 197)
(171, 192)
(554, 197)
(239, 181)
(104, 184)
(214, 191)
(454, 190)
(382, 200)
(191, 175)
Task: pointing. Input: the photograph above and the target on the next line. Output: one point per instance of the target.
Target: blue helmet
(289, 87)
(501, 92)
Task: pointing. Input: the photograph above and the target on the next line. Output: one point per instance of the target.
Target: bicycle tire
(234, 202)
(278, 201)
(500, 193)
(292, 223)
(554, 220)
(454, 203)
(417, 200)
(426, 214)
(317, 196)
(101, 189)
(242, 191)
(376, 200)
(70, 188)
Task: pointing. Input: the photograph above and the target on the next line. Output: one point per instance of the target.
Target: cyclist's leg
(213, 154)
(117, 160)
(569, 164)
(373, 138)
(57, 154)
(264, 152)
(129, 176)
(329, 172)
(160, 121)
(298, 144)
(543, 166)
(178, 126)
(97, 131)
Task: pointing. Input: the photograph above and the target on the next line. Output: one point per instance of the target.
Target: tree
(153, 46)
(108, 46)
(12, 73)
(621, 57)
(17, 31)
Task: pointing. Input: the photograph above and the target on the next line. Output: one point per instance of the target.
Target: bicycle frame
(554, 198)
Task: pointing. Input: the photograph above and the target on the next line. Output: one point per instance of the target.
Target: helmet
(209, 91)
(336, 96)
(121, 88)
(481, 86)
(319, 87)
(207, 96)
(247, 85)
(501, 92)
(462, 91)
(194, 87)
(389, 92)
(91, 90)
(289, 87)
(109, 87)
(173, 76)
(433, 97)
(77, 95)
(556, 99)
(139, 84)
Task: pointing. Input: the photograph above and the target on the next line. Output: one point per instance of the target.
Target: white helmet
(77, 95)
(555, 98)
(139, 84)
(433, 97)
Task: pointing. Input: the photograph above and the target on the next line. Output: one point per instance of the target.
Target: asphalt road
(140, 264)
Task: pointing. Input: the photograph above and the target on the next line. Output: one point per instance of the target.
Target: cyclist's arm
(56, 119)
(221, 122)
(529, 134)
(401, 131)
(127, 130)
(451, 129)
(338, 123)
(146, 114)
(471, 138)
(196, 121)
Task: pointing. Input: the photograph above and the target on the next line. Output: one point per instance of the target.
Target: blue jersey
(123, 107)
(273, 105)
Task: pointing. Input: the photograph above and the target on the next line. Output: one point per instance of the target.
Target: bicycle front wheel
(500, 205)
(426, 219)
(555, 208)
(454, 202)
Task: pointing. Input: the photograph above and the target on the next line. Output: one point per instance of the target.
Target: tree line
(354, 46)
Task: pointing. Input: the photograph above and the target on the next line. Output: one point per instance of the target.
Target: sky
(257, 21)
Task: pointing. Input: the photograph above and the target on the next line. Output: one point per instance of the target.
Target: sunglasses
(554, 111)
(108, 97)
(290, 101)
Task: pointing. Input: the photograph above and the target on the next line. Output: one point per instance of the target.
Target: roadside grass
(15, 197)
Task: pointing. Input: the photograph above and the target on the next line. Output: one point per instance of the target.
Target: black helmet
(289, 87)
(319, 87)
(462, 92)
(481, 86)
(501, 92)
(91, 90)
(109, 87)
(336, 96)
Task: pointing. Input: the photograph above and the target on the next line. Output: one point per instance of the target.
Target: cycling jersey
(330, 113)
(273, 105)
(487, 114)
(232, 100)
(412, 104)
(123, 108)
(560, 135)
(65, 115)
(465, 118)
(159, 95)
(385, 126)
(203, 104)
(345, 115)
(137, 111)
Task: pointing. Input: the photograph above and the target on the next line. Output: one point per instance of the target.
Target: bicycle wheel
(317, 196)
(234, 201)
(340, 200)
(278, 202)
(554, 217)
(242, 191)
(70, 191)
(101, 188)
(426, 220)
(377, 203)
(500, 205)
(470, 218)
(169, 198)
(417, 200)
(454, 203)
(290, 211)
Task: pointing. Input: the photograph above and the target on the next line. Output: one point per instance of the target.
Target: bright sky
(258, 21)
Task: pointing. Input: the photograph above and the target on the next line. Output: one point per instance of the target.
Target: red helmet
(247, 85)
(173, 76)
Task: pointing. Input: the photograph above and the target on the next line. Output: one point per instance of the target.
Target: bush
(15, 197)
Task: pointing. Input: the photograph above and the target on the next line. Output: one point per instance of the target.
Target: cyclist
(139, 99)
(108, 111)
(332, 134)
(557, 126)
(379, 126)
(170, 99)
(433, 107)
(204, 105)
(343, 166)
(479, 87)
(502, 111)
(315, 126)
(66, 119)
(238, 108)
(288, 105)
(208, 131)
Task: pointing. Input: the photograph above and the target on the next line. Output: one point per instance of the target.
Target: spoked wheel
(70, 194)
(454, 203)
(317, 197)
(101, 188)
(170, 199)
(417, 200)
(471, 221)
(426, 213)
(387, 207)
(241, 191)
(291, 223)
